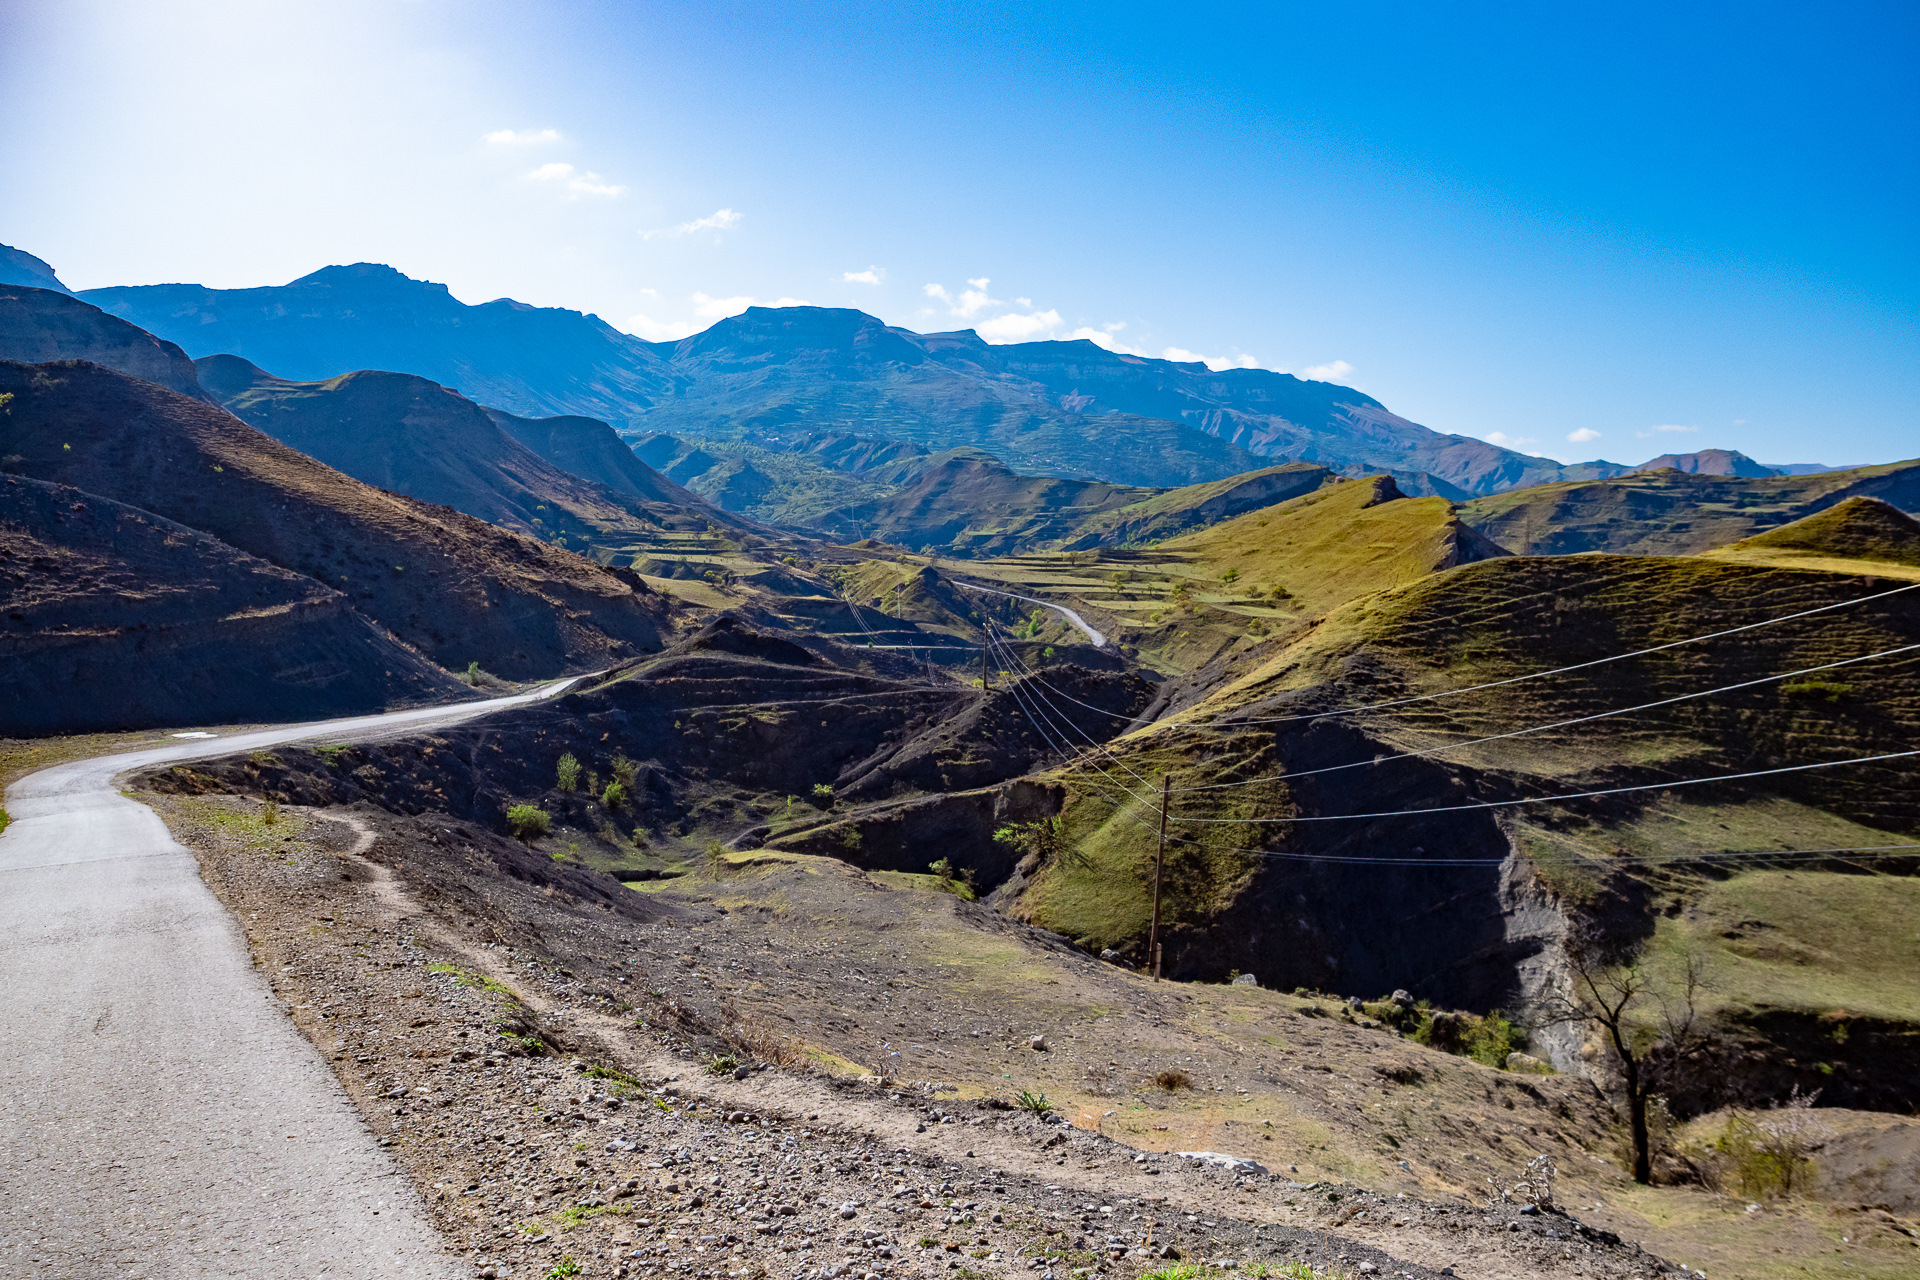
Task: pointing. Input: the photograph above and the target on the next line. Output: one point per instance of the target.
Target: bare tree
(1647, 1023)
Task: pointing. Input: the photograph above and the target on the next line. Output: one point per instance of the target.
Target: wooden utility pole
(986, 678)
(1159, 866)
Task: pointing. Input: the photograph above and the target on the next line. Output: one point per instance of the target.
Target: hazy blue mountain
(531, 361)
(17, 266)
(40, 325)
(768, 377)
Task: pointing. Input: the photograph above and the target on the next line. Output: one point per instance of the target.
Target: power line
(1541, 675)
(1662, 859)
(1572, 795)
(1557, 724)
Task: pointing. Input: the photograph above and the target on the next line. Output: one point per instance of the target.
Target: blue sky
(1609, 231)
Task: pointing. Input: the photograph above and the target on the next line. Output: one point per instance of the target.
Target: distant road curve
(1099, 640)
(159, 1114)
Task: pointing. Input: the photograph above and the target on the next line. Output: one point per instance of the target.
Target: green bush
(567, 772)
(528, 823)
(1824, 690)
(614, 795)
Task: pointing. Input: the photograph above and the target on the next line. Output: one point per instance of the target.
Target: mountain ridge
(1067, 408)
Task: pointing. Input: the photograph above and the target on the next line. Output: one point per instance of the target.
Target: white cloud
(522, 137)
(1663, 428)
(1506, 441)
(1015, 326)
(1103, 337)
(1332, 371)
(660, 330)
(936, 291)
(576, 183)
(1181, 355)
(706, 311)
(720, 308)
(718, 220)
(872, 275)
(1584, 435)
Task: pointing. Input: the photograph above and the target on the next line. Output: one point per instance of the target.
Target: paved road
(1099, 640)
(160, 1116)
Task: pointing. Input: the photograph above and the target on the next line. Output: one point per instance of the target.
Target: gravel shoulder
(536, 1061)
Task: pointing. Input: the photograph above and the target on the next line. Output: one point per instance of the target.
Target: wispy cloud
(872, 275)
(1331, 371)
(575, 182)
(1506, 441)
(1665, 427)
(718, 220)
(1585, 435)
(522, 137)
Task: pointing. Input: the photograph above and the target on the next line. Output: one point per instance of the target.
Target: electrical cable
(1662, 859)
(1557, 724)
(1223, 721)
(1571, 795)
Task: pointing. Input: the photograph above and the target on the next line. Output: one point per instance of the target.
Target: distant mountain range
(768, 376)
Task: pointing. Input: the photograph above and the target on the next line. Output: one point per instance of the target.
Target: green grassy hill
(1670, 512)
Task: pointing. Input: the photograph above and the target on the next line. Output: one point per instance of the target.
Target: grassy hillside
(1185, 601)
(1857, 535)
(1672, 512)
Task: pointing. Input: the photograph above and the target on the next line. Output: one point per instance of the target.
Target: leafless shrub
(1534, 1186)
(1173, 1079)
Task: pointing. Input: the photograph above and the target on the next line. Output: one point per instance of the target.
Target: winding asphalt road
(160, 1115)
(1099, 639)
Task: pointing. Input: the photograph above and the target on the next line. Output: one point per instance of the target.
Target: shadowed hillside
(415, 437)
(159, 624)
(38, 325)
(455, 587)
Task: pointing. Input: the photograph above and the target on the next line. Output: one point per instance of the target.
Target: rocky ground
(558, 1122)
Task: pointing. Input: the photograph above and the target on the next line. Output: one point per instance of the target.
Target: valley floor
(539, 1068)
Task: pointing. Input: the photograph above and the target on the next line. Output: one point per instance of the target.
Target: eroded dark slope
(37, 325)
(1671, 512)
(455, 587)
(725, 737)
(114, 618)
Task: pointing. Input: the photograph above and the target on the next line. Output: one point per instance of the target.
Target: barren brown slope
(115, 618)
(457, 588)
(592, 450)
(419, 438)
(40, 324)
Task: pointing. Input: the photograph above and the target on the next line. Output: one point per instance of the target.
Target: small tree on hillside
(528, 823)
(1647, 1023)
(1044, 839)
